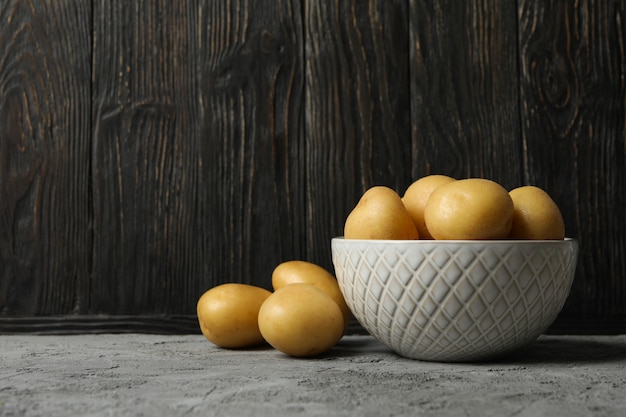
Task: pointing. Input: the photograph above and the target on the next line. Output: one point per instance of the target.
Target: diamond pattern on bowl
(454, 302)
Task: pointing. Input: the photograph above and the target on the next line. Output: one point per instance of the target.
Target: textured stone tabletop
(154, 375)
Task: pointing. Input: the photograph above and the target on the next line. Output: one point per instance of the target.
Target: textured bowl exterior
(453, 301)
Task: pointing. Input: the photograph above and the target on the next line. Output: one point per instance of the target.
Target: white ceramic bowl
(453, 301)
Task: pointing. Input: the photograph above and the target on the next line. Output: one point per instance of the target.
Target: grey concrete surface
(153, 375)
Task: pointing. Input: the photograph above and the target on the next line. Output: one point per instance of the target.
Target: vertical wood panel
(250, 97)
(464, 90)
(357, 110)
(44, 156)
(145, 160)
(573, 101)
(196, 132)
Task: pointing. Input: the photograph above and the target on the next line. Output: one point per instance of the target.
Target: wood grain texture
(573, 93)
(250, 98)
(44, 155)
(150, 150)
(357, 110)
(464, 94)
(145, 164)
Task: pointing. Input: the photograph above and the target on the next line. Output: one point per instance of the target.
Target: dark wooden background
(152, 149)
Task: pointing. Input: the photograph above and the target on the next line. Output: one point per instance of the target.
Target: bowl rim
(451, 241)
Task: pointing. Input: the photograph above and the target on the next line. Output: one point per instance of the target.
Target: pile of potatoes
(443, 208)
(304, 316)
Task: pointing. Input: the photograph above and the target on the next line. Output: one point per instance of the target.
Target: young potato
(380, 214)
(228, 315)
(301, 320)
(472, 208)
(291, 272)
(536, 215)
(416, 196)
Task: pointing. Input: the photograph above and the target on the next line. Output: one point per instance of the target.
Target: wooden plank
(196, 130)
(251, 193)
(573, 66)
(464, 95)
(97, 324)
(357, 110)
(94, 324)
(145, 160)
(44, 156)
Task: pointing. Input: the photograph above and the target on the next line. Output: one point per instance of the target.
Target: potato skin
(291, 272)
(301, 320)
(228, 315)
(380, 214)
(536, 216)
(416, 196)
(469, 209)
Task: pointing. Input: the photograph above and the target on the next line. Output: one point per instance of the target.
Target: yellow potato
(536, 216)
(301, 320)
(380, 214)
(416, 196)
(228, 314)
(472, 208)
(291, 272)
